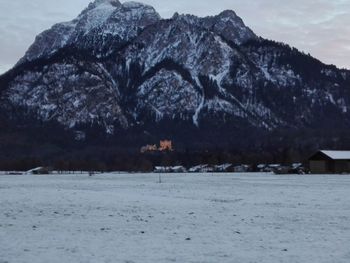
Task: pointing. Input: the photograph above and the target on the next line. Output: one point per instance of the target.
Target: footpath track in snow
(187, 218)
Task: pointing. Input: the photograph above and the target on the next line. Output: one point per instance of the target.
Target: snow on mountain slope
(200, 52)
(227, 24)
(69, 96)
(168, 94)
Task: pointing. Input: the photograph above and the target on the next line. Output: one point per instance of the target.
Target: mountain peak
(100, 27)
(230, 16)
(146, 9)
(111, 2)
(228, 13)
(230, 26)
(134, 4)
(101, 4)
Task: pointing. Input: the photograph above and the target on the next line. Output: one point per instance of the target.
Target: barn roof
(337, 155)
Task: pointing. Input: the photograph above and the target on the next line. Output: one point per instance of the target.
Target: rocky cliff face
(120, 66)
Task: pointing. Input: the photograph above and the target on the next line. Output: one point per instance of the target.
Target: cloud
(319, 27)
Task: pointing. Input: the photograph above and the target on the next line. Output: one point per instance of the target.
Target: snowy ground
(188, 218)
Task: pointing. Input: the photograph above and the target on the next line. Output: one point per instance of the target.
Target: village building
(261, 167)
(324, 162)
(165, 146)
(242, 168)
(149, 148)
(206, 168)
(170, 169)
(162, 169)
(199, 168)
(202, 168)
(40, 170)
(224, 168)
(178, 169)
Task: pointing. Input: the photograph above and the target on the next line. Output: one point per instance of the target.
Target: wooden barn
(324, 162)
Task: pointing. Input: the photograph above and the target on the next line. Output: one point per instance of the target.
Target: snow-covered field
(187, 218)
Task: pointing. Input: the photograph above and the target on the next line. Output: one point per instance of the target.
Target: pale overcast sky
(319, 27)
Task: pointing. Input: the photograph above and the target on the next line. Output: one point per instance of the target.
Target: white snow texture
(187, 218)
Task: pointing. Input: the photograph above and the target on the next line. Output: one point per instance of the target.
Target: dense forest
(33, 144)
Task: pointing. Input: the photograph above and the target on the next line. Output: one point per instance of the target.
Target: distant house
(261, 167)
(178, 169)
(162, 169)
(224, 168)
(295, 168)
(268, 168)
(170, 169)
(198, 168)
(242, 168)
(165, 145)
(149, 148)
(330, 162)
(40, 170)
(274, 166)
(202, 168)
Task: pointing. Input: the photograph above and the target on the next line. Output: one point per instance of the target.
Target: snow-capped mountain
(121, 66)
(104, 26)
